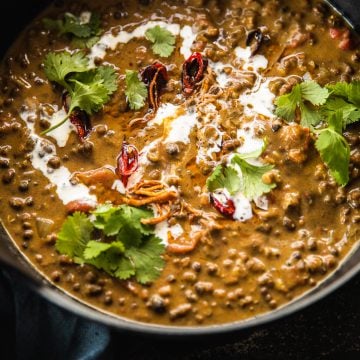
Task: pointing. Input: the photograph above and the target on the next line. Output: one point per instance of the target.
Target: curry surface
(243, 268)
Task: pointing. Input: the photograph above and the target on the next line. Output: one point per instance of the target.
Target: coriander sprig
(334, 149)
(306, 97)
(326, 111)
(83, 34)
(136, 91)
(241, 175)
(124, 247)
(89, 88)
(163, 40)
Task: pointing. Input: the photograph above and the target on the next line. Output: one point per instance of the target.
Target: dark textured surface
(329, 329)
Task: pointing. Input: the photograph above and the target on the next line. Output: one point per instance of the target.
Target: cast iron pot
(13, 260)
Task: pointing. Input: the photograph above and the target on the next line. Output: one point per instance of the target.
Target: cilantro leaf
(105, 75)
(88, 97)
(299, 97)
(241, 175)
(354, 93)
(58, 66)
(344, 97)
(95, 248)
(251, 184)
(74, 236)
(85, 43)
(83, 34)
(336, 106)
(163, 40)
(89, 88)
(227, 178)
(334, 149)
(71, 25)
(124, 222)
(125, 269)
(102, 215)
(108, 76)
(309, 117)
(349, 111)
(313, 92)
(287, 104)
(141, 257)
(133, 216)
(341, 88)
(104, 256)
(147, 259)
(136, 91)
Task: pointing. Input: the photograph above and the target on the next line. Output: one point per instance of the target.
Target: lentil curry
(184, 138)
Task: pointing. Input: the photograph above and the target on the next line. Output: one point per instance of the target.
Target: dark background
(329, 329)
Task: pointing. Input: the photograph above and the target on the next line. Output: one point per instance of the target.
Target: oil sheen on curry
(182, 163)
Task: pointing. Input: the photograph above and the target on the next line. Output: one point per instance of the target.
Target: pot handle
(10, 259)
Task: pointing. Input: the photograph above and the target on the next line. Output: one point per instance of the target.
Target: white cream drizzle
(259, 100)
(180, 128)
(60, 177)
(250, 142)
(165, 111)
(188, 37)
(119, 186)
(243, 210)
(62, 133)
(253, 63)
(222, 78)
(143, 162)
(163, 229)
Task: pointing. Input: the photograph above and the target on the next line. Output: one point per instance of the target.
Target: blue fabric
(40, 330)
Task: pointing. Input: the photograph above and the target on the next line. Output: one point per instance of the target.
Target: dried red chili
(226, 208)
(84, 206)
(193, 72)
(79, 119)
(127, 162)
(155, 77)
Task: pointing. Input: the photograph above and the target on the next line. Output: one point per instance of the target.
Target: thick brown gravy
(277, 248)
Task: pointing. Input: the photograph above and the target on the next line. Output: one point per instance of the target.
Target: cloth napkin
(32, 328)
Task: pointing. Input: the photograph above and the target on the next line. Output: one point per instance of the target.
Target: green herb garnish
(330, 109)
(163, 40)
(334, 149)
(304, 96)
(89, 88)
(82, 34)
(241, 175)
(126, 247)
(346, 98)
(224, 177)
(251, 183)
(136, 91)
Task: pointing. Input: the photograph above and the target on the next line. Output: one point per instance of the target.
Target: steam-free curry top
(183, 163)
